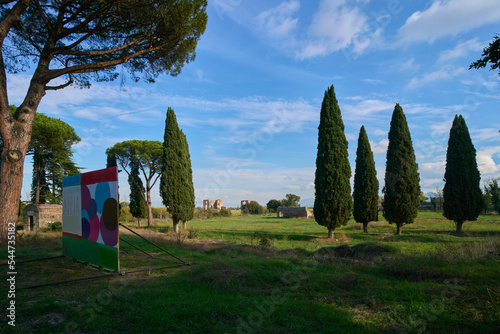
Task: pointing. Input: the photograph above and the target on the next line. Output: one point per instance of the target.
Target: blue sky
(250, 102)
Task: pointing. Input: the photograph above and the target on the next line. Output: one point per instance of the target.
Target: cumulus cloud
(380, 147)
(335, 26)
(448, 18)
(434, 76)
(278, 22)
(460, 50)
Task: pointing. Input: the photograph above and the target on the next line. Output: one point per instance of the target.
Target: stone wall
(39, 216)
(300, 212)
(208, 204)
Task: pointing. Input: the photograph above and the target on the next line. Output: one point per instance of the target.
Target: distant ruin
(246, 201)
(300, 212)
(37, 216)
(208, 204)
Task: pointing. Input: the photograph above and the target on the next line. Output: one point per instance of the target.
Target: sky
(249, 104)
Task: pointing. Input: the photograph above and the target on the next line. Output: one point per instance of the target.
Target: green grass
(427, 280)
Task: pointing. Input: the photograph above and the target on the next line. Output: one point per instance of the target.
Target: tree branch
(89, 68)
(70, 81)
(44, 18)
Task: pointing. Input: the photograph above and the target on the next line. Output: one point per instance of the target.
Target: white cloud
(366, 110)
(278, 22)
(408, 66)
(434, 76)
(460, 50)
(486, 162)
(448, 18)
(335, 26)
(380, 147)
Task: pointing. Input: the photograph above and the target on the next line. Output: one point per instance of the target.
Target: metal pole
(43, 258)
(125, 241)
(152, 243)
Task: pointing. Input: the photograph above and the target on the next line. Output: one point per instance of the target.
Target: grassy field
(261, 274)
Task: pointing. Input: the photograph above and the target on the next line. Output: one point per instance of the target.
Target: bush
(192, 233)
(263, 239)
(55, 226)
(252, 208)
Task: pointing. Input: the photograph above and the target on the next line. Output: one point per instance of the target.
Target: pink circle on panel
(94, 229)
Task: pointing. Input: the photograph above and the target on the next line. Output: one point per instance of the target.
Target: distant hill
(307, 202)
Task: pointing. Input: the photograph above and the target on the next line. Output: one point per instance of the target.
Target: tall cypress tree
(176, 183)
(188, 193)
(402, 181)
(365, 192)
(462, 192)
(333, 201)
(138, 206)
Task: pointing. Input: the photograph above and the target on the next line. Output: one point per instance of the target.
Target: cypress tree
(138, 206)
(188, 193)
(365, 192)
(176, 183)
(462, 192)
(402, 181)
(333, 201)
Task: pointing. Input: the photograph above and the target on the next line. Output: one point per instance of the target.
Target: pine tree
(402, 181)
(462, 192)
(138, 206)
(365, 192)
(176, 183)
(333, 201)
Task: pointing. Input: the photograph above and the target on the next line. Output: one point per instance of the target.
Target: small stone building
(208, 204)
(300, 212)
(38, 216)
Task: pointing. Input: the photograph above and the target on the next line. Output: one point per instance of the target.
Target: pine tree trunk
(11, 182)
(365, 228)
(398, 229)
(176, 224)
(139, 221)
(184, 225)
(330, 233)
(459, 227)
(148, 202)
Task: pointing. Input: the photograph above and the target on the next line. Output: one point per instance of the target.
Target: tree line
(169, 162)
(334, 204)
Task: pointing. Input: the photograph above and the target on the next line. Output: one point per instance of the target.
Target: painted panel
(90, 217)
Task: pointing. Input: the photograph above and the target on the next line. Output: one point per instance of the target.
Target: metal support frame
(183, 263)
(152, 243)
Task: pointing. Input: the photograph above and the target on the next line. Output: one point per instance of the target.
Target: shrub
(192, 233)
(252, 208)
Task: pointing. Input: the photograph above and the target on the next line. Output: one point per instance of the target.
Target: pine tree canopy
(333, 202)
(462, 191)
(365, 192)
(402, 181)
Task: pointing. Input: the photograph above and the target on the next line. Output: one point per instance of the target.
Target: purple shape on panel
(85, 228)
(92, 208)
(85, 196)
(109, 238)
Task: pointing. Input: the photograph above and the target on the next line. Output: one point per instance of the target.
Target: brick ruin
(39, 216)
(246, 201)
(208, 204)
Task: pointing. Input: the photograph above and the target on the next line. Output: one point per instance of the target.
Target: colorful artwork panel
(90, 217)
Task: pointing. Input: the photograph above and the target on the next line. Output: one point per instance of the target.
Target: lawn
(261, 274)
